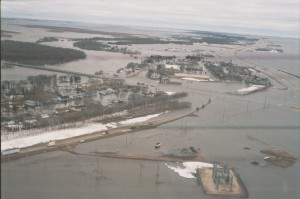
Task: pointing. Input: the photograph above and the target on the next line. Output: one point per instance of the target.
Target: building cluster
(27, 104)
(167, 70)
(227, 71)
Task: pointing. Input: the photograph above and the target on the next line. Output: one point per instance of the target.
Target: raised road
(59, 70)
(66, 143)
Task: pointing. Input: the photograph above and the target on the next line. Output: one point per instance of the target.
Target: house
(134, 96)
(62, 97)
(155, 76)
(20, 107)
(44, 116)
(30, 123)
(164, 80)
(63, 79)
(58, 111)
(169, 66)
(11, 93)
(15, 127)
(32, 104)
(77, 107)
(65, 98)
(107, 91)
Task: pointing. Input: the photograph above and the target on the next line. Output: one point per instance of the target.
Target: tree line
(95, 110)
(37, 54)
(101, 46)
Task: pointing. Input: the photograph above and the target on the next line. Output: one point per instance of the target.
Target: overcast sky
(264, 17)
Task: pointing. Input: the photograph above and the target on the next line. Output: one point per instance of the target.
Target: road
(59, 70)
(164, 158)
(62, 144)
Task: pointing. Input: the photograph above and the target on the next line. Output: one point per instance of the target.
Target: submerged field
(222, 131)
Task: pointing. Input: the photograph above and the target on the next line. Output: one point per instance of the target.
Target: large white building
(194, 76)
(177, 67)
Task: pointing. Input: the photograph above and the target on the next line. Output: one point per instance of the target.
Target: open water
(267, 116)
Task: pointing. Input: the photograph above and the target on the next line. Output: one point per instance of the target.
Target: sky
(261, 17)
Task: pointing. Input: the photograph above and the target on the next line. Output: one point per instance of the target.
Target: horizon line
(152, 26)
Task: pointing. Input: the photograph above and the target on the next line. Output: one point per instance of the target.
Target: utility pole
(157, 173)
(98, 172)
(223, 106)
(141, 167)
(247, 107)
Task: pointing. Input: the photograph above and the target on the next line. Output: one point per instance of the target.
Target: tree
(130, 65)
(181, 67)
(158, 67)
(36, 54)
(150, 72)
(14, 109)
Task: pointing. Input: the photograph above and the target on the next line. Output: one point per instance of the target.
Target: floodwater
(221, 131)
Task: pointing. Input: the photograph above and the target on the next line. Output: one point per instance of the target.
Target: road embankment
(61, 144)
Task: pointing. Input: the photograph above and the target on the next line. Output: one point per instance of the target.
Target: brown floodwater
(221, 131)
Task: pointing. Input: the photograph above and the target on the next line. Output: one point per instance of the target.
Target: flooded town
(112, 111)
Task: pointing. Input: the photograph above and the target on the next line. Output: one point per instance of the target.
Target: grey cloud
(275, 15)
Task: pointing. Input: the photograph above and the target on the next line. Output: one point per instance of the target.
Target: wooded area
(100, 46)
(36, 54)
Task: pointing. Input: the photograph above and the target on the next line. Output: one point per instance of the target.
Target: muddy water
(44, 175)
(261, 115)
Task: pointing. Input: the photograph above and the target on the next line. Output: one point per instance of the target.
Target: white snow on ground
(54, 135)
(252, 70)
(273, 51)
(194, 79)
(111, 125)
(251, 88)
(170, 93)
(66, 133)
(139, 119)
(189, 168)
(177, 67)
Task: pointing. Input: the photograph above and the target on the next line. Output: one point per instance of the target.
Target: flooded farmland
(221, 131)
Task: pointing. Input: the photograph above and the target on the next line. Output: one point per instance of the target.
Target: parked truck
(51, 143)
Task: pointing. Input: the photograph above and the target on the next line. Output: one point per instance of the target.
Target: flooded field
(260, 121)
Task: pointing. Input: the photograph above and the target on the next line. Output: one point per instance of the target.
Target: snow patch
(139, 119)
(67, 133)
(273, 51)
(170, 93)
(54, 135)
(189, 168)
(252, 70)
(251, 88)
(172, 66)
(194, 79)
